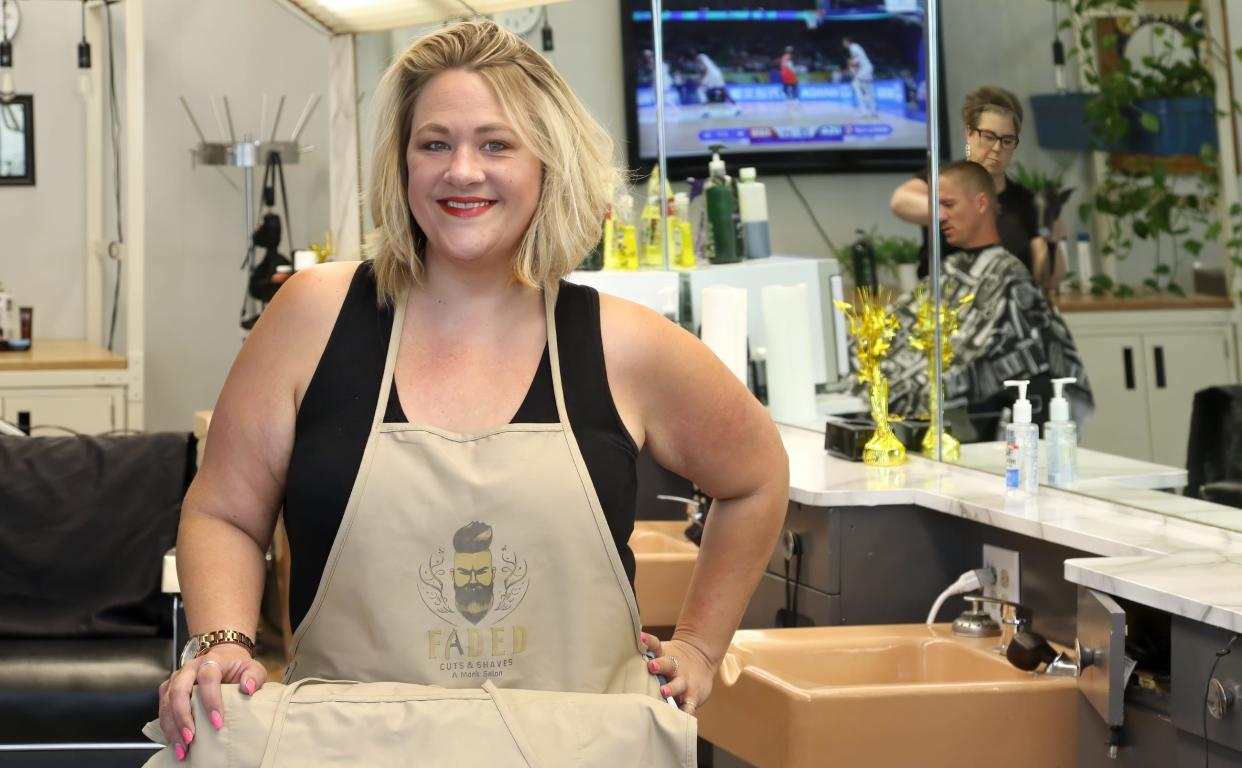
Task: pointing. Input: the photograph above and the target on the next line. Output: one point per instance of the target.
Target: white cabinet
(1145, 368)
(72, 384)
(58, 410)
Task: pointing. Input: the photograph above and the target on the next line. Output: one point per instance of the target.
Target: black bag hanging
(268, 234)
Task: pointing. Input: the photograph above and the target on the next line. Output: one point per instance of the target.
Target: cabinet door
(1180, 364)
(1117, 373)
(84, 410)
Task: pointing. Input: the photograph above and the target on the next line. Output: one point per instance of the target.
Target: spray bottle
(1061, 437)
(1021, 448)
(721, 212)
(752, 199)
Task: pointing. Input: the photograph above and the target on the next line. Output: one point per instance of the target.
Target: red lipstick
(465, 207)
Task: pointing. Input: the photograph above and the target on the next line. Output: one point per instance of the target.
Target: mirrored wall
(1107, 266)
(1126, 203)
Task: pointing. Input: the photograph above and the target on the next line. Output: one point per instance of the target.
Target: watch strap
(209, 640)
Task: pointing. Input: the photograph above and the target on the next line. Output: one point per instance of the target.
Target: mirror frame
(27, 102)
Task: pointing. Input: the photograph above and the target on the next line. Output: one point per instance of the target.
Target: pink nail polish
(249, 687)
(216, 720)
(180, 750)
(653, 667)
(187, 736)
(644, 636)
(664, 691)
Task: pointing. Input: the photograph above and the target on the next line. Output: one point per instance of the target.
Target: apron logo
(482, 591)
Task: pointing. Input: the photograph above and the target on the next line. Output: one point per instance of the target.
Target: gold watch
(197, 645)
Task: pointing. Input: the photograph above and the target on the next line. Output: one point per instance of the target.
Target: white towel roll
(787, 329)
(723, 326)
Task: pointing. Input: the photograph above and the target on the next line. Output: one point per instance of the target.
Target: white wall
(42, 227)
(195, 238)
(195, 230)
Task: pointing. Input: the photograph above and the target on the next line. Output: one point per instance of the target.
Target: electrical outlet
(1008, 570)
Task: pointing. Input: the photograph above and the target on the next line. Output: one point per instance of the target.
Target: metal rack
(247, 154)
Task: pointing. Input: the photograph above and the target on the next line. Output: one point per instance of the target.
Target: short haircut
(974, 179)
(580, 177)
(992, 98)
(473, 537)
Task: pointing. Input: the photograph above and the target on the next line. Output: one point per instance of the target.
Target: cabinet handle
(1127, 359)
(1159, 367)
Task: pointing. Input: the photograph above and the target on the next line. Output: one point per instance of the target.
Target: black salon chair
(1214, 452)
(86, 631)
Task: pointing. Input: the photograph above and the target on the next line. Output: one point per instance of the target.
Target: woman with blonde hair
(452, 428)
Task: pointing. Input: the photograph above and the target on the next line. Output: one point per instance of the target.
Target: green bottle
(721, 212)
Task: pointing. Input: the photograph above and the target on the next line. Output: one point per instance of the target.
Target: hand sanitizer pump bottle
(1021, 448)
(1061, 438)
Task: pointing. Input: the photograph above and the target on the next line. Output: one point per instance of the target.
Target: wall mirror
(1143, 315)
(17, 158)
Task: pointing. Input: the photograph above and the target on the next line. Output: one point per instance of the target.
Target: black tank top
(334, 421)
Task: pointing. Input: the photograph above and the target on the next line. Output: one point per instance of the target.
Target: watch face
(191, 649)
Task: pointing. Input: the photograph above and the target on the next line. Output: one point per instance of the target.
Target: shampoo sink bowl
(879, 696)
(664, 559)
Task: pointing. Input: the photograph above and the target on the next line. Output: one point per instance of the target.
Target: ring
(689, 703)
(676, 664)
(209, 662)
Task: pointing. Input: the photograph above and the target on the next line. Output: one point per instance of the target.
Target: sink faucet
(694, 515)
(1014, 618)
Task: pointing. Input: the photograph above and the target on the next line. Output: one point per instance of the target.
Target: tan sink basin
(664, 559)
(879, 696)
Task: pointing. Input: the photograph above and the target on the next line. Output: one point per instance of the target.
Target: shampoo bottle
(1061, 438)
(752, 198)
(721, 212)
(1021, 448)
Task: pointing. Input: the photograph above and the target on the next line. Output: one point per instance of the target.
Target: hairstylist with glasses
(993, 122)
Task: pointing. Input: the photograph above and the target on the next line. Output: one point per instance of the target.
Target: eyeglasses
(1008, 141)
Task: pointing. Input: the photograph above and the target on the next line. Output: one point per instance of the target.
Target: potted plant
(1161, 105)
(901, 256)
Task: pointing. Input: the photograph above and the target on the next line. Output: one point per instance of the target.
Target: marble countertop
(1182, 566)
(1096, 471)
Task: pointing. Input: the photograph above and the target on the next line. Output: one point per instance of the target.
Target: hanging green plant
(1154, 107)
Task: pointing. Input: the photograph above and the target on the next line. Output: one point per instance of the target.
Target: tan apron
(465, 558)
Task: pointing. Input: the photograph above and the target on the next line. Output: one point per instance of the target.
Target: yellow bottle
(611, 253)
(627, 234)
(653, 241)
(681, 234)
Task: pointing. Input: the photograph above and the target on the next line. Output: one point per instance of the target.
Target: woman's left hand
(688, 670)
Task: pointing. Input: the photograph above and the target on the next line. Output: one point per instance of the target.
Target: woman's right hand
(223, 664)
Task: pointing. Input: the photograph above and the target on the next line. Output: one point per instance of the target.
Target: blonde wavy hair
(579, 178)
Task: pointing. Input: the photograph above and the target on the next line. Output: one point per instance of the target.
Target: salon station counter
(1181, 566)
(60, 355)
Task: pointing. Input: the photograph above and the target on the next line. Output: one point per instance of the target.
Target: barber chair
(1214, 452)
(87, 632)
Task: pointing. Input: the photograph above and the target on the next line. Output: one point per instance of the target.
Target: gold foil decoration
(873, 327)
(923, 338)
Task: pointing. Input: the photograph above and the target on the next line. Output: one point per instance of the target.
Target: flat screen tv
(814, 86)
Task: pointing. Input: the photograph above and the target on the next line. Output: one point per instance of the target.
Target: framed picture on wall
(17, 157)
